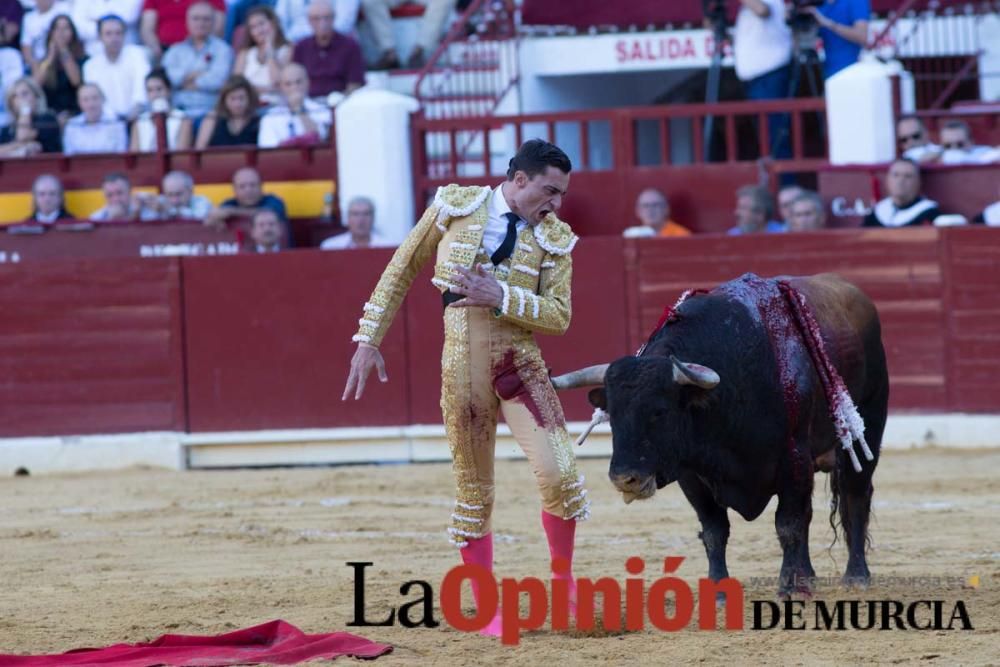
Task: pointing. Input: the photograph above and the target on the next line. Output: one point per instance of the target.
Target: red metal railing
(475, 65)
(619, 139)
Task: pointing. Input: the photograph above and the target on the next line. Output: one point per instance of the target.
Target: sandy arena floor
(89, 560)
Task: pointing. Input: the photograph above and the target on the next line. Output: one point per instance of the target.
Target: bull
(731, 399)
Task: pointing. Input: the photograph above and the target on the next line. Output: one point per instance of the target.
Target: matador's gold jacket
(535, 279)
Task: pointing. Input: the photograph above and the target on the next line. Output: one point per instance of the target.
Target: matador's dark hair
(535, 155)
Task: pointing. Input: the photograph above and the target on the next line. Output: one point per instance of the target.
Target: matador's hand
(479, 288)
(364, 358)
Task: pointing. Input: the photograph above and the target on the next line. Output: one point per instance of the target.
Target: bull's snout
(633, 484)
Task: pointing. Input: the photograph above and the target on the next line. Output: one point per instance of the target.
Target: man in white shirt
(914, 141)
(120, 71)
(762, 51)
(298, 117)
(957, 146)
(87, 13)
(178, 201)
(360, 228)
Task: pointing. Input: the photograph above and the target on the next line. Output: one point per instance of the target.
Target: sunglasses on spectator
(957, 144)
(916, 136)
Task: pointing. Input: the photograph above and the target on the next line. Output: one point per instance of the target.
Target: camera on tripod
(805, 29)
(800, 20)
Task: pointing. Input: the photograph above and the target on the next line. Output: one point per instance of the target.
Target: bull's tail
(852, 522)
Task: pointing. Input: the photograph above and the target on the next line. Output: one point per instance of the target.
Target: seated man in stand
(47, 203)
(808, 213)
(914, 140)
(298, 120)
(266, 230)
(360, 228)
(754, 212)
(178, 201)
(958, 148)
(249, 199)
(119, 204)
(905, 206)
(652, 209)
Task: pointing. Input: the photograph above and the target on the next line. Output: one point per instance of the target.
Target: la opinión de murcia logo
(641, 605)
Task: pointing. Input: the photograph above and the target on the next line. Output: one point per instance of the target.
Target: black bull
(726, 401)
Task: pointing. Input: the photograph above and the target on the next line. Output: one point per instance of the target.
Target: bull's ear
(598, 398)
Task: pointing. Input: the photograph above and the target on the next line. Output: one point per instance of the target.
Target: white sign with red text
(619, 52)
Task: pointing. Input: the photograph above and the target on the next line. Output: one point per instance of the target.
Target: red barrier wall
(259, 342)
(91, 346)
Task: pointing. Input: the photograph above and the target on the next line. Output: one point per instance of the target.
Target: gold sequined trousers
(489, 367)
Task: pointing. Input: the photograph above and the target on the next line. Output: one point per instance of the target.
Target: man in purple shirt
(333, 60)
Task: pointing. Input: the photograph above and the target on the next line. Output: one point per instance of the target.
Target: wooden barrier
(263, 342)
(91, 346)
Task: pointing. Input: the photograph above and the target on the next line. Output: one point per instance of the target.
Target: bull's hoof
(798, 584)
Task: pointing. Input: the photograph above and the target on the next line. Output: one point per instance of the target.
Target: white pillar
(860, 124)
(373, 157)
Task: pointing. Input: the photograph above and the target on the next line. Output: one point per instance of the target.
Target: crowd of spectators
(133, 59)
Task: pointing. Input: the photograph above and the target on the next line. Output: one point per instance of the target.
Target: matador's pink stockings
(479, 551)
(561, 534)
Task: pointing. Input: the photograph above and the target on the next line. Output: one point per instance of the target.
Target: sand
(95, 559)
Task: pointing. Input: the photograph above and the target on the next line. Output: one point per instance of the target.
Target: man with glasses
(914, 141)
(957, 146)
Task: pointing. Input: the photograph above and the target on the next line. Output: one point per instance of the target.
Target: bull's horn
(591, 376)
(696, 374)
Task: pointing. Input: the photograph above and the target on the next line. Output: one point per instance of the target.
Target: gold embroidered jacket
(535, 279)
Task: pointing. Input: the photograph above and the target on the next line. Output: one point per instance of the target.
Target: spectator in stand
(754, 212)
(293, 16)
(87, 15)
(266, 230)
(11, 69)
(298, 120)
(164, 23)
(179, 127)
(905, 206)
(120, 71)
(787, 195)
(808, 213)
(914, 140)
(47, 202)
(762, 52)
(360, 228)
(119, 204)
(95, 129)
(333, 60)
(843, 27)
(990, 215)
(36, 129)
(652, 209)
(234, 121)
(178, 201)
(436, 13)
(11, 14)
(957, 146)
(35, 29)
(265, 51)
(249, 199)
(60, 70)
(199, 65)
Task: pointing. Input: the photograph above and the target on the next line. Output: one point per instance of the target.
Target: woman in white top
(95, 130)
(265, 51)
(179, 126)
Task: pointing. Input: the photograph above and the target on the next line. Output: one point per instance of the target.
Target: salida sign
(692, 49)
(641, 605)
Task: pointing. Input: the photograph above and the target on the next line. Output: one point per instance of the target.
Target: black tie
(507, 246)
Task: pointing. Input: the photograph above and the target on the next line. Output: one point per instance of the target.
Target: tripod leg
(711, 97)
